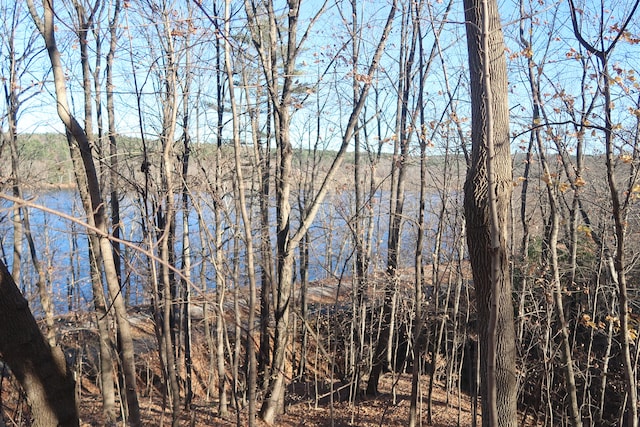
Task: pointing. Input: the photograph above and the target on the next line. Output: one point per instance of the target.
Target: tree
(41, 369)
(383, 351)
(280, 87)
(551, 239)
(106, 343)
(87, 177)
(487, 205)
(619, 199)
(16, 93)
(246, 222)
(168, 33)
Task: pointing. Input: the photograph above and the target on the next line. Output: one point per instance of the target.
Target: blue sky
(553, 46)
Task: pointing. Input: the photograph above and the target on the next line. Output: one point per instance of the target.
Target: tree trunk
(275, 398)
(21, 217)
(250, 349)
(106, 342)
(113, 142)
(487, 205)
(567, 360)
(97, 211)
(106, 345)
(383, 349)
(218, 213)
(169, 287)
(186, 321)
(40, 368)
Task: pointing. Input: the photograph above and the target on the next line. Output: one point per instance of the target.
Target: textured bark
(40, 368)
(488, 212)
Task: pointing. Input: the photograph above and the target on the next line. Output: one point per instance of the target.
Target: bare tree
(250, 347)
(487, 209)
(86, 173)
(552, 235)
(16, 93)
(106, 343)
(619, 201)
(280, 88)
(383, 351)
(421, 226)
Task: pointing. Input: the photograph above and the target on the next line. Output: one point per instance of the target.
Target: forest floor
(309, 403)
(303, 408)
(386, 409)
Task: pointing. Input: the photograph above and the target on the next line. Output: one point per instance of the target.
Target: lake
(62, 244)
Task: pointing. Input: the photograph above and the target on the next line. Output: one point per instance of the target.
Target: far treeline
(320, 195)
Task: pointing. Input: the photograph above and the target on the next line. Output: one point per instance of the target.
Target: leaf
(587, 232)
(585, 320)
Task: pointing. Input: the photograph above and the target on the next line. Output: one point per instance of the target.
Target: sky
(138, 52)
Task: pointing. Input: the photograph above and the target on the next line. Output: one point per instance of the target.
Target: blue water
(62, 244)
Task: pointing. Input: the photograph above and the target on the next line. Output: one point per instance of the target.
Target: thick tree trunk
(487, 208)
(41, 369)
